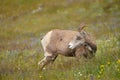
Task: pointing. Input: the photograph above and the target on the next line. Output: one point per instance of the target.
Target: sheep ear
(80, 28)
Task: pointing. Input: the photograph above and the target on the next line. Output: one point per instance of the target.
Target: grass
(20, 31)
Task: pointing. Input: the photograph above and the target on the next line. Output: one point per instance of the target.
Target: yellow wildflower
(108, 63)
(118, 69)
(40, 76)
(102, 66)
(98, 76)
(118, 61)
(100, 72)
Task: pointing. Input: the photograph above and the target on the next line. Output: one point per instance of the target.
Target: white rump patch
(45, 41)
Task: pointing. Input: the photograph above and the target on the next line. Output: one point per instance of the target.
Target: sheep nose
(69, 46)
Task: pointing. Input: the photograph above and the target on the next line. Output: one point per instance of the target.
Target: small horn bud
(82, 25)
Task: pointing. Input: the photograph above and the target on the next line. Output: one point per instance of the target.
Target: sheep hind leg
(45, 61)
(54, 58)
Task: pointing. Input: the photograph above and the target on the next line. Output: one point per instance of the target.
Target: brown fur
(59, 42)
(59, 45)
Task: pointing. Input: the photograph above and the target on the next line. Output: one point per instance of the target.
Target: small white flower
(44, 68)
(79, 73)
(108, 40)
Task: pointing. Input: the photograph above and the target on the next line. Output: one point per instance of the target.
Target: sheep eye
(78, 37)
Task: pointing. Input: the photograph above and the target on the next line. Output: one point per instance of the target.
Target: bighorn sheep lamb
(67, 43)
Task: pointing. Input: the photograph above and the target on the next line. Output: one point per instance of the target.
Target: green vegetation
(22, 22)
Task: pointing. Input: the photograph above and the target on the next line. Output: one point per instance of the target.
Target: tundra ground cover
(21, 28)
